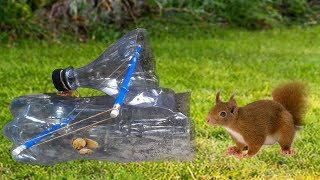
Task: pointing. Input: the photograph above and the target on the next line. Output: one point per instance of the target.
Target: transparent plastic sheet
(153, 133)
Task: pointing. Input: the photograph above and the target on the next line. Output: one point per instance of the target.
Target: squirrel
(263, 122)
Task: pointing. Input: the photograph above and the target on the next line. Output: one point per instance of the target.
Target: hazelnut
(91, 143)
(78, 143)
(85, 151)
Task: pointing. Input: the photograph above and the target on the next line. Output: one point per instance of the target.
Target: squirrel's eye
(223, 114)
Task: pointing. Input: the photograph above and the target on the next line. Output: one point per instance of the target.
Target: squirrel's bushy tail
(294, 98)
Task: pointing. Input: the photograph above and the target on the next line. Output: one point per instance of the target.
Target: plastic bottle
(107, 71)
(149, 132)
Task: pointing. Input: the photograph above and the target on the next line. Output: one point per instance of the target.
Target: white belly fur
(236, 135)
(270, 139)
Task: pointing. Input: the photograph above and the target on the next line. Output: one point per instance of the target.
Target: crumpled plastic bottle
(154, 133)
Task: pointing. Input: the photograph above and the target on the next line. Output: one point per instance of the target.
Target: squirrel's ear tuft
(232, 101)
(218, 100)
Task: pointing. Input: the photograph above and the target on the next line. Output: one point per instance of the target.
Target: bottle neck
(64, 79)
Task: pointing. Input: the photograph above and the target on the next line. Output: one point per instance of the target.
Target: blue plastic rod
(125, 83)
(41, 136)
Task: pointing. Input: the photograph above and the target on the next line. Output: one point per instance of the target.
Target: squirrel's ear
(233, 104)
(232, 101)
(218, 97)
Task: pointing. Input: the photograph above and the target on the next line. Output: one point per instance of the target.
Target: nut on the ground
(85, 151)
(78, 143)
(91, 143)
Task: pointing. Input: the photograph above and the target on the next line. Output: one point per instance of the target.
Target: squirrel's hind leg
(286, 134)
(285, 142)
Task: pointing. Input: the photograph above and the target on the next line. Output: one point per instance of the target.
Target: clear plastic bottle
(149, 132)
(107, 71)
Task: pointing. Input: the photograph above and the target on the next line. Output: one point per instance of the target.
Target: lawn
(248, 63)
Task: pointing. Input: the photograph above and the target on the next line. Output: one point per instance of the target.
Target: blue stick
(125, 84)
(41, 136)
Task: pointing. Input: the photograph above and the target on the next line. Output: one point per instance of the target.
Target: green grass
(248, 63)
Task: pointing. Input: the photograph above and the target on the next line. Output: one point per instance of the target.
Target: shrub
(254, 14)
(96, 18)
(13, 13)
(16, 20)
(251, 14)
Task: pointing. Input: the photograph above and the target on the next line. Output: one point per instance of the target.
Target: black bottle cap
(59, 80)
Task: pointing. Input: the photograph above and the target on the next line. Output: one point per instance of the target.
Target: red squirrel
(263, 122)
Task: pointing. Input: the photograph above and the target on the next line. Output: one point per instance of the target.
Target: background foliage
(95, 19)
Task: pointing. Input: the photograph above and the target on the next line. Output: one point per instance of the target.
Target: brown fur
(293, 97)
(263, 121)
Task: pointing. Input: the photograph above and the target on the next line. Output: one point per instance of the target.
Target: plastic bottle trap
(135, 121)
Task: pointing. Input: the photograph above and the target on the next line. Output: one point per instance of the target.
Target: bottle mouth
(64, 79)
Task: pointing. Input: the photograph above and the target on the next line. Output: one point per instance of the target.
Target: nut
(91, 143)
(85, 151)
(78, 143)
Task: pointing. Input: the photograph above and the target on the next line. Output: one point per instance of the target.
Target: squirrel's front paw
(289, 152)
(232, 150)
(240, 156)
